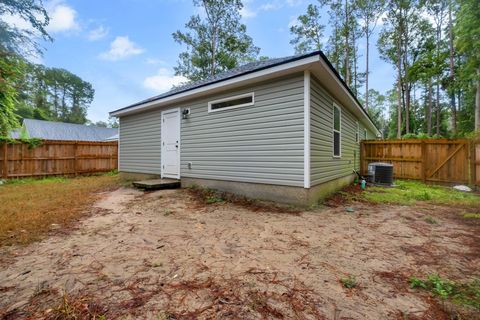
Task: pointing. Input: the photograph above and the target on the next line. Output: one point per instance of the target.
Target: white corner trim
(118, 147)
(306, 129)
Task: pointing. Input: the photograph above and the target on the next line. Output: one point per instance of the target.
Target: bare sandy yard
(168, 255)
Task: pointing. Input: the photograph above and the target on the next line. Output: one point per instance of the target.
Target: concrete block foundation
(132, 176)
(284, 194)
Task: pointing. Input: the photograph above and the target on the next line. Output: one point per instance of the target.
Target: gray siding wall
(323, 166)
(140, 143)
(262, 143)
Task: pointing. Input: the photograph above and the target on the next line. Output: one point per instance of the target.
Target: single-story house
(51, 130)
(285, 129)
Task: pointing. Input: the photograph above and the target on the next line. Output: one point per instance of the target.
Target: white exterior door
(171, 143)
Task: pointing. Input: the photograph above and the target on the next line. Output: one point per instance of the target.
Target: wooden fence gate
(430, 160)
(57, 158)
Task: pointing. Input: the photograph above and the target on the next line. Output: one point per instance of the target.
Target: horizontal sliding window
(242, 100)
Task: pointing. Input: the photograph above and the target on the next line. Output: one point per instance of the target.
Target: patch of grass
(431, 220)
(411, 192)
(349, 282)
(36, 180)
(29, 207)
(471, 215)
(467, 294)
(211, 200)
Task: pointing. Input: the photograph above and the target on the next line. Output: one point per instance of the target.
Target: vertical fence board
(57, 158)
(434, 160)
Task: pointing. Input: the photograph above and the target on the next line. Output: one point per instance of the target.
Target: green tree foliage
(433, 46)
(308, 32)
(22, 41)
(54, 94)
(11, 69)
(368, 11)
(215, 42)
(14, 43)
(467, 32)
(377, 109)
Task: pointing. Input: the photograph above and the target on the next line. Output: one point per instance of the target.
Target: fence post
(5, 160)
(472, 167)
(75, 169)
(424, 161)
(362, 157)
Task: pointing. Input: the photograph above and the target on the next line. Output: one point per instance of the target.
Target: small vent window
(231, 102)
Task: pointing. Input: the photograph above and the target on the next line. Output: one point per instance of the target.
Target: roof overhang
(316, 62)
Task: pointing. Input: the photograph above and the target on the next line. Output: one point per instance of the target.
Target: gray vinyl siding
(262, 143)
(323, 166)
(140, 140)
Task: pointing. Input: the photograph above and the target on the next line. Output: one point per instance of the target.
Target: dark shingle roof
(243, 69)
(50, 130)
(246, 69)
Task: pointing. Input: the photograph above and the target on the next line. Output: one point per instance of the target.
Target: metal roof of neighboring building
(50, 130)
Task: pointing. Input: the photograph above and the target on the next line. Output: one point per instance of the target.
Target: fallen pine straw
(31, 208)
(250, 295)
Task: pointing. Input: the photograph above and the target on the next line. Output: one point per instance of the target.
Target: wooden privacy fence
(430, 160)
(57, 158)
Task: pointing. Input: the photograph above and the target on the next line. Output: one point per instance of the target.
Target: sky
(125, 49)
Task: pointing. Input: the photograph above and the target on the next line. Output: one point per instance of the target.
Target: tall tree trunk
(399, 88)
(336, 50)
(452, 70)
(437, 97)
(355, 75)
(366, 69)
(438, 107)
(429, 108)
(347, 53)
(214, 52)
(407, 109)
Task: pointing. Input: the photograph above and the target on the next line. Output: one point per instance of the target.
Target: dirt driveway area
(169, 255)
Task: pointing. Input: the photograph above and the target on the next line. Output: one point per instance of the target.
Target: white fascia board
(372, 126)
(240, 80)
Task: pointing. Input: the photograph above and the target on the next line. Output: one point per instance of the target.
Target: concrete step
(157, 184)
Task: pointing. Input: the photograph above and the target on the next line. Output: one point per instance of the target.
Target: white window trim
(365, 134)
(252, 94)
(335, 106)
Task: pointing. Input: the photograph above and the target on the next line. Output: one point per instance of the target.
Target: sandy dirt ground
(168, 255)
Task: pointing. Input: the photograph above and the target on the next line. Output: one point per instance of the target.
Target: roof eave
(290, 66)
(298, 64)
